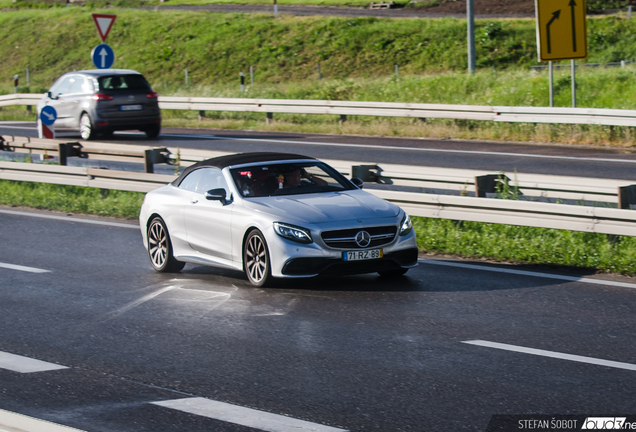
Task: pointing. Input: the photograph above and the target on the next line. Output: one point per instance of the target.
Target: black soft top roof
(240, 159)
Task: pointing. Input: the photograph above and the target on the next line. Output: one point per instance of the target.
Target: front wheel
(160, 248)
(86, 127)
(256, 259)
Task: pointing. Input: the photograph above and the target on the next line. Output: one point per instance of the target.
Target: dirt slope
(486, 7)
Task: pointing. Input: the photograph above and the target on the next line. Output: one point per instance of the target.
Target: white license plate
(130, 107)
(363, 255)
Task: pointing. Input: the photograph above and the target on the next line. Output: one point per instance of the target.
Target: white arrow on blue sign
(48, 115)
(103, 56)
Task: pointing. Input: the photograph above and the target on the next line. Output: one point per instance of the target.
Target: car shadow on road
(444, 276)
(371, 282)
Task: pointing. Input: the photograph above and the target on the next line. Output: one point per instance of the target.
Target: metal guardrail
(607, 117)
(524, 213)
(476, 183)
(481, 183)
(20, 99)
(511, 212)
(104, 151)
(478, 209)
(82, 176)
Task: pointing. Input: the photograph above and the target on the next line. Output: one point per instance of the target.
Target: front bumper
(336, 266)
(291, 259)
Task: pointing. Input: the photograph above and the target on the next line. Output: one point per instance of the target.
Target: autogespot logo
(606, 423)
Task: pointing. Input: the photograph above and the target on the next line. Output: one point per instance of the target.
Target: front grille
(346, 239)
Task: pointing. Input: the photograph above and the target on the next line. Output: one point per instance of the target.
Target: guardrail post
(148, 161)
(343, 118)
(153, 156)
(486, 184)
(626, 197)
(74, 149)
(365, 172)
(269, 117)
(62, 154)
(201, 114)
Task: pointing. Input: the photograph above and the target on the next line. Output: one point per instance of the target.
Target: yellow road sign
(561, 29)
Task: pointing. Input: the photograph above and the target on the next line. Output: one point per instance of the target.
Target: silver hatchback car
(102, 101)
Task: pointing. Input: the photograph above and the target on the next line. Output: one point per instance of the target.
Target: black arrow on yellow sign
(555, 15)
(572, 6)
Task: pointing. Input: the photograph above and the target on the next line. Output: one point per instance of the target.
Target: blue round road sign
(103, 56)
(48, 115)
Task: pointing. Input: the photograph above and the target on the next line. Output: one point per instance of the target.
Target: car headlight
(291, 232)
(406, 226)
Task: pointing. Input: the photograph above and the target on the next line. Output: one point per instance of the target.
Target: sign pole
(573, 84)
(470, 18)
(551, 69)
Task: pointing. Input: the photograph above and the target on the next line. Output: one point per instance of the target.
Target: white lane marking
(529, 273)
(18, 422)
(553, 354)
(70, 219)
(23, 364)
(3, 122)
(244, 416)
(415, 149)
(23, 268)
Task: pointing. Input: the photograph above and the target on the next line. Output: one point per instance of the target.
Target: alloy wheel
(256, 259)
(157, 245)
(86, 128)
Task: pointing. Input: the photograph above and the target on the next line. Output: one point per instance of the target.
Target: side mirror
(358, 182)
(217, 195)
(50, 95)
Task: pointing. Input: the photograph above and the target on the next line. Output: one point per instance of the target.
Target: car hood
(324, 207)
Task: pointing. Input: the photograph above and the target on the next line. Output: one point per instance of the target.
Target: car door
(57, 99)
(80, 89)
(66, 100)
(208, 222)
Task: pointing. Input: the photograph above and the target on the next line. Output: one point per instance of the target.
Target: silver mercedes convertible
(274, 215)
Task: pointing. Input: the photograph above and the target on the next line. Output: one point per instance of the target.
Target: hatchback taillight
(152, 95)
(102, 97)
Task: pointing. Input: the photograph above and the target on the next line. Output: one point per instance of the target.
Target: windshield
(288, 179)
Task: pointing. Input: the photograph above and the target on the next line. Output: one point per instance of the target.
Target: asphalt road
(355, 353)
(481, 155)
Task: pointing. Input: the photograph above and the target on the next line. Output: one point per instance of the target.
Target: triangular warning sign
(104, 23)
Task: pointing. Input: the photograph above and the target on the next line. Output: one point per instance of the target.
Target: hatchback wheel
(256, 259)
(160, 248)
(86, 127)
(152, 132)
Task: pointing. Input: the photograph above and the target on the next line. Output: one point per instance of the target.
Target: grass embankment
(469, 239)
(73, 199)
(357, 58)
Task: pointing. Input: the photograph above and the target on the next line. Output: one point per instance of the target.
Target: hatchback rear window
(123, 82)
